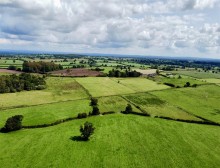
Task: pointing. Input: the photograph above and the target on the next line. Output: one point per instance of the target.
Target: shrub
(13, 123)
(94, 102)
(187, 84)
(128, 109)
(82, 115)
(169, 84)
(194, 85)
(86, 130)
(95, 110)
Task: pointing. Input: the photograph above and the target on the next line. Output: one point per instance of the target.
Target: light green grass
(216, 81)
(197, 74)
(59, 89)
(116, 86)
(178, 81)
(114, 103)
(103, 86)
(202, 101)
(48, 113)
(140, 84)
(157, 107)
(124, 141)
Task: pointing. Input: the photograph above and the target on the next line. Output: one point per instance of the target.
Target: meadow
(58, 89)
(197, 74)
(202, 101)
(119, 141)
(116, 86)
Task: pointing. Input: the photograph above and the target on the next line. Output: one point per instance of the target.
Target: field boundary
(86, 90)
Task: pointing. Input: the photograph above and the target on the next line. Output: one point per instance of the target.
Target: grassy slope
(202, 101)
(113, 103)
(103, 86)
(119, 141)
(140, 84)
(48, 113)
(59, 89)
(178, 82)
(110, 86)
(197, 74)
(157, 107)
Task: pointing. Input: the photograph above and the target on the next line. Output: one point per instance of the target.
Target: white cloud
(168, 26)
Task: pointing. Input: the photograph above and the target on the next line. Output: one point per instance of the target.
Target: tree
(95, 110)
(86, 130)
(13, 123)
(128, 109)
(157, 71)
(94, 102)
(187, 84)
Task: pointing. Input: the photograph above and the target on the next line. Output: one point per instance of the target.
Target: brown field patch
(78, 72)
(9, 71)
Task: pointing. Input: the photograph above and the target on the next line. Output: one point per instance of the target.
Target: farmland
(168, 126)
(119, 141)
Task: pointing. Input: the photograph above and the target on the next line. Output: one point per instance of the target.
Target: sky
(136, 27)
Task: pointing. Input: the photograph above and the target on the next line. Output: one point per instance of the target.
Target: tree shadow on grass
(77, 138)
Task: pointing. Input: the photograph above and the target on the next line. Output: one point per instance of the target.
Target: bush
(94, 102)
(13, 123)
(86, 130)
(82, 115)
(187, 84)
(128, 109)
(169, 84)
(95, 110)
(194, 85)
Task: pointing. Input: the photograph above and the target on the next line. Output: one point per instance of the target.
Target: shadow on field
(77, 138)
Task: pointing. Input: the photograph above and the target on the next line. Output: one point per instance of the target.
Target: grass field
(140, 84)
(157, 107)
(47, 113)
(58, 89)
(113, 103)
(202, 101)
(119, 141)
(117, 86)
(197, 74)
(216, 81)
(178, 81)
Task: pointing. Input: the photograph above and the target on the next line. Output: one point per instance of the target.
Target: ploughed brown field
(9, 71)
(76, 72)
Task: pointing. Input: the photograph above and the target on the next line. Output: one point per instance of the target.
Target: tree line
(126, 73)
(24, 81)
(40, 67)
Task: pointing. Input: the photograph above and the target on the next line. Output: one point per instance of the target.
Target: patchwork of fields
(119, 140)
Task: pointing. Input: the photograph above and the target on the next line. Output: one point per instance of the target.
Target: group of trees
(13, 123)
(126, 73)
(40, 67)
(24, 81)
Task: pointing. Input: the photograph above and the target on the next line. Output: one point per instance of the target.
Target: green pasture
(157, 107)
(197, 74)
(47, 113)
(105, 86)
(178, 81)
(212, 80)
(140, 84)
(113, 103)
(125, 141)
(202, 101)
(58, 89)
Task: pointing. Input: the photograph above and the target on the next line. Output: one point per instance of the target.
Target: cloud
(168, 26)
